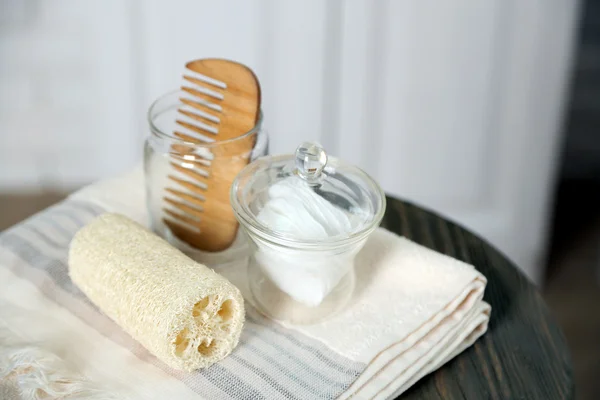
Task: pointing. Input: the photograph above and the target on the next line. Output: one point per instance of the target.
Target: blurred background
(487, 112)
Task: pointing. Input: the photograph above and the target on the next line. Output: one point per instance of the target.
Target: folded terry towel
(412, 311)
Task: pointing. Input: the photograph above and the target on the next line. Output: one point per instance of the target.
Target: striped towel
(413, 310)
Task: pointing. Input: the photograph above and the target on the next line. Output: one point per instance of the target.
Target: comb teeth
(195, 206)
(205, 78)
(199, 114)
(184, 207)
(195, 174)
(197, 130)
(199, 118)
(202, 105)
(180, 229)
(214, 92)
(202, 121)
(194, 187)
(182, 220)
(193, 198)
(188, 208)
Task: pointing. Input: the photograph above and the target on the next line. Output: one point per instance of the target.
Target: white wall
(66, 95)
(454, 105)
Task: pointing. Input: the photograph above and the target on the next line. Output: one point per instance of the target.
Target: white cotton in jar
(295, 209)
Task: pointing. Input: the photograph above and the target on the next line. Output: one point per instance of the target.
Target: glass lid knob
(310, 161)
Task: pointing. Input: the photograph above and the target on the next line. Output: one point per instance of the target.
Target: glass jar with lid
(306, 215)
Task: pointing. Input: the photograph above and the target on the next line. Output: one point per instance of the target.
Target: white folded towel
(413, 310)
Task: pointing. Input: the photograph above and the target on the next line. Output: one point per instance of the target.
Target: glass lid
(307, 197)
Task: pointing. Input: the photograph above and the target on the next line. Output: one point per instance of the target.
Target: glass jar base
(278, 305)
(238, 252)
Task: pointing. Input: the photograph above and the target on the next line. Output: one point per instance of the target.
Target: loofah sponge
(184, 313)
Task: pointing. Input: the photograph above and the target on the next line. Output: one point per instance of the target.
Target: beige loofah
(181, 311)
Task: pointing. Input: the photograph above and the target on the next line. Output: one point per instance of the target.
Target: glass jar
(307, 215)
(188, 176)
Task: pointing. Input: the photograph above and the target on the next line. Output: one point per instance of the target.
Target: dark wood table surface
(523, 355)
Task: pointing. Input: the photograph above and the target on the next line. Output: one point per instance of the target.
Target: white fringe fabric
(29, 371)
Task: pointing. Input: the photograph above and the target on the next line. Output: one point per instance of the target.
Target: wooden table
(523, 355)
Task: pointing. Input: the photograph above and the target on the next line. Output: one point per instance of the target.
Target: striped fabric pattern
(269, 363)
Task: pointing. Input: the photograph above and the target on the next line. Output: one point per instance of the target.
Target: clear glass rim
(250, 223)
(152, 112)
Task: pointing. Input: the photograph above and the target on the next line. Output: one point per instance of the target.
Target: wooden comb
(221, 106)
